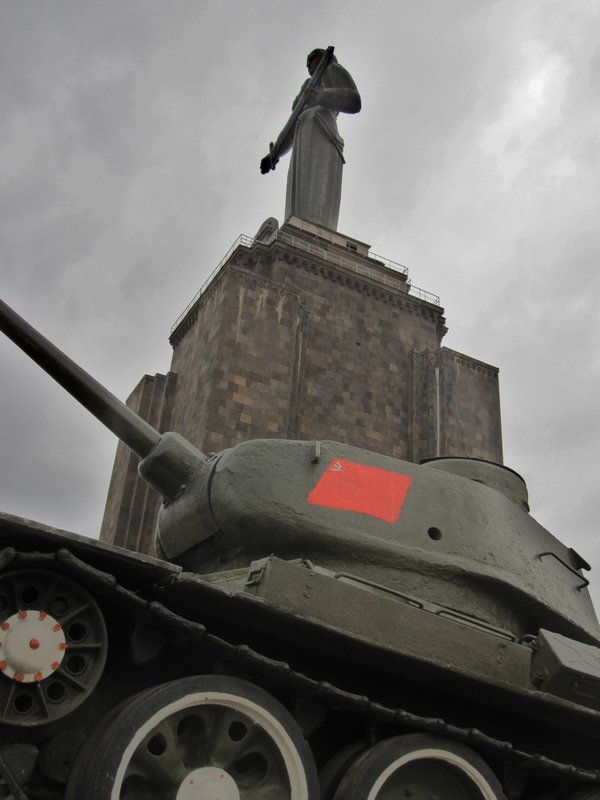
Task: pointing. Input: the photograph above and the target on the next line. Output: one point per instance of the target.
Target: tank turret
(330, 622)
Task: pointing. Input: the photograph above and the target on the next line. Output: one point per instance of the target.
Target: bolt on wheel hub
(208, 783)
(32, 646)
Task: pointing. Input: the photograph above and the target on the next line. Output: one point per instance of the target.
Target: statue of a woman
(315, 174)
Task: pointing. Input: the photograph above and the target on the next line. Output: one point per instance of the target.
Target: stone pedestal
(302, 333)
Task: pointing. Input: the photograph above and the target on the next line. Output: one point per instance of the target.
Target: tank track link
(296, 683)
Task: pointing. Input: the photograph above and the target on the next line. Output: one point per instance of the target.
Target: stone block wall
(297, 338)
(131, 505)
(470, 404)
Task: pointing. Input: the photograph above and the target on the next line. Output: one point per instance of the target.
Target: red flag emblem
(367, 490)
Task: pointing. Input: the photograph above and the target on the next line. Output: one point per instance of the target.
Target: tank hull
(306, 636)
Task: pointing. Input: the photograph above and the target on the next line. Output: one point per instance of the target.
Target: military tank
(322, 622)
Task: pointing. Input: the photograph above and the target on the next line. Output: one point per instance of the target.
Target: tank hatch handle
(571, 569)
(580, 562)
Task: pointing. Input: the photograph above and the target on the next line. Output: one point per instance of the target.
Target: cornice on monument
(472, 363)
(327, 260)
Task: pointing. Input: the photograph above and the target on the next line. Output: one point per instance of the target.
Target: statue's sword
(275, 147)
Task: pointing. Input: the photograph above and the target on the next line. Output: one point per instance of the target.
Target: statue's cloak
(314, 183)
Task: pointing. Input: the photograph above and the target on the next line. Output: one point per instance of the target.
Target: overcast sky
(130, 137)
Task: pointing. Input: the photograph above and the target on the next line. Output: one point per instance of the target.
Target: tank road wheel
(421, 767)
(334, 770)
(202, 738)
(52, 646)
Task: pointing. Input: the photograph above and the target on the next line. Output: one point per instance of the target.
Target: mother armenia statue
(314, 182)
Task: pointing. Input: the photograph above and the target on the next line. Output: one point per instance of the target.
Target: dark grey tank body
(455, 541)
(352, 598)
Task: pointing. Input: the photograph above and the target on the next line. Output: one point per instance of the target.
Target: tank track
(245, 658)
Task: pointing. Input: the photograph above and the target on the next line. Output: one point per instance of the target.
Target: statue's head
(313, 58)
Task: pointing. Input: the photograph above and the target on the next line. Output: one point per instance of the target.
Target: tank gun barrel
(170, 464)
(114, 414)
